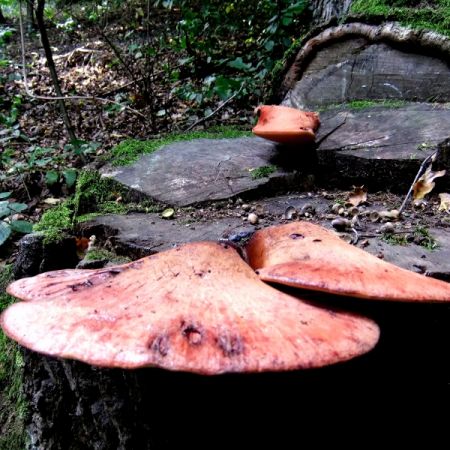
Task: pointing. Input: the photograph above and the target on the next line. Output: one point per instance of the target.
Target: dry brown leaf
(358, 196)
(425, 184)
(445, 202)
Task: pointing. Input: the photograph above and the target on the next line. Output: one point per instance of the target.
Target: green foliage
(47, 160)
(81, 148)
(233, 46)
(128, 151)
(7, 223)
(13, 405)
(433, 15)
(262, 172)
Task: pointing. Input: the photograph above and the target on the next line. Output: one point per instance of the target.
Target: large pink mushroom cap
(304, 255)
(197, 308)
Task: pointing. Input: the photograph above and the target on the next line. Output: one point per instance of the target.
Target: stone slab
(202, 170)
(354, 69)
(380, 147)
(137, 235)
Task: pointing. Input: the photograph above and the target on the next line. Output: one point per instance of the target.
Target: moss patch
(56, 222)
(363, 104)
(101, 254)
(128, 151)
(432, 14)
(12, 401)
(262, 172)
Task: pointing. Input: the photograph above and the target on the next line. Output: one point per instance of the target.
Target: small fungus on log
(197, 308)
(304, 255)
(286, 125)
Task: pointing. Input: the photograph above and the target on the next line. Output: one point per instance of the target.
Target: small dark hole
(296, 236)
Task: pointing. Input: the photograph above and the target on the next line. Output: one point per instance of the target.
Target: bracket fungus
(196, 308)
(286, 125)
(304, 255)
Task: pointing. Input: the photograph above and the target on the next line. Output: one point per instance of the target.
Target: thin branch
(425, 163)
(30, 94)
(204, 119)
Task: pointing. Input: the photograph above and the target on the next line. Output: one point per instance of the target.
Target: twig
(204, 119)
(55, 98)
(425, 163)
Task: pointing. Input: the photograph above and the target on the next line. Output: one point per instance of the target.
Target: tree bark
(428, 42)
(30, 18)
(52, 67)
(325, 10)
(2, 17)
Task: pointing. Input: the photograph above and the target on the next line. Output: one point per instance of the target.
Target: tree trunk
(2, 17)
(52, 67)
(30, 18)
(74, 406)
(325, 10)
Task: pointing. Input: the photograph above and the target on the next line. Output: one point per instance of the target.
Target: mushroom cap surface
(286, 125)
(197, 308)
(305, 255)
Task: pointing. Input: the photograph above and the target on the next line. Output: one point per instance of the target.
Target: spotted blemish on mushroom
(192, 332)
(160, 344)
(230, 344)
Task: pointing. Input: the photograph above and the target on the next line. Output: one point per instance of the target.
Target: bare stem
(425, 163)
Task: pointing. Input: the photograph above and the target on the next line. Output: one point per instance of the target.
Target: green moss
(56, 222)
(363, 104)
(12, 401)
(128, 151)
(100, 254)
(433, 15)
(424, 238)
(262, 172)
(394, 239)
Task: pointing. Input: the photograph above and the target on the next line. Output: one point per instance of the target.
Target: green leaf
(5, 231)
(295, 8)
(239, 64)
(269, 45)
(7, 208)
(5, 194)
(21, 226)
(70, 176)
(51, 177)
(224, 87)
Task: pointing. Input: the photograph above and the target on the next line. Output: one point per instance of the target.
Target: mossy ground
(128, 151)
(429, 14)
(96, 195)
(12, 401)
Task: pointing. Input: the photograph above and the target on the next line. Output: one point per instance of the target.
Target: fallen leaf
(168, 213)
(52, 201)
(358, 196)
(425, 184)
(445, 202)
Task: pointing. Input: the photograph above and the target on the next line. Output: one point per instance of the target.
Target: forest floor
(103, 64)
